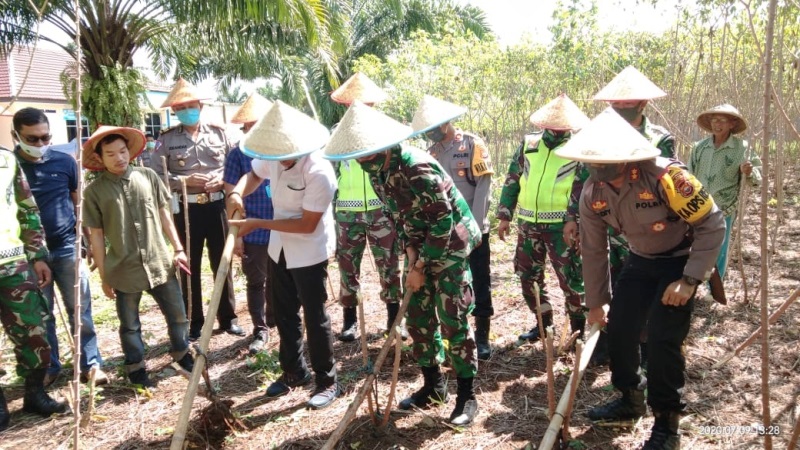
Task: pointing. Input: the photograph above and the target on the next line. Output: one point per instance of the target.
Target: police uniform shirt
(185, 156)
(659, 204)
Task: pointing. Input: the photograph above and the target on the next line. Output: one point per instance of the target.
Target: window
(72, 128)
(152, 124)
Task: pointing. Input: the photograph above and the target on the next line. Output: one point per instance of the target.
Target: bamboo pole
(365, 352)
(772, 319)
(545, 335)
(220, 278)
(564, 404)
(366, 388)
(187, 245)
(573, 389)
(76, 289)
(398, 349)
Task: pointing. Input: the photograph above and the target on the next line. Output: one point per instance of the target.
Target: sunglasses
(32, 140)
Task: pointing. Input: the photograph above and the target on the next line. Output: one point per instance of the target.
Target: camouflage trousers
(437, 313)
(353, 230)
(23, 311)
(536, 242)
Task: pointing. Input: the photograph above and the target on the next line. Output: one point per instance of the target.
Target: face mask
(553, 139)
(32, 150)
(375, 164)
(629, 114)
(436, 135)
(151, 145)
(188, 116)
(606, 172)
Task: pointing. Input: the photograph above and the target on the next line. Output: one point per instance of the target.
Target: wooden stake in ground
(220, 278)
(546, 336)
(187, 245)
(567, 398)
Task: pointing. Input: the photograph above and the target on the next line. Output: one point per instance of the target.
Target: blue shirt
(258, 204)
(52, 179)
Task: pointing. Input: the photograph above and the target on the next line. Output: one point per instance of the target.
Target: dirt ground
(511, 386)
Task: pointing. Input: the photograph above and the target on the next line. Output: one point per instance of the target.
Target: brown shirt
(185, 156)
(126, 208)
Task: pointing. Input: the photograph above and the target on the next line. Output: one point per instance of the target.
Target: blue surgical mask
(188, 116)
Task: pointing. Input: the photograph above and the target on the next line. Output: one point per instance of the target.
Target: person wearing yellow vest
(23, 272)
(538, 184)
(361, 219)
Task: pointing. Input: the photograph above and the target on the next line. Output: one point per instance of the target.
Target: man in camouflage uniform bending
(360, 217)
(539, 183)
(23, 308)
(435, 223)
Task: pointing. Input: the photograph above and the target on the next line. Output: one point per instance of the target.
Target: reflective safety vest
(11, 246)
(545, 184)
(355, 191)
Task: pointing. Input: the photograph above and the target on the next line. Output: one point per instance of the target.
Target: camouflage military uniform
(359, 220)
(540, 232)
(659, 137)
(432, 217)
(23, 309)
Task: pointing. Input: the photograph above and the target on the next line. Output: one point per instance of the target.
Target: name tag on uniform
(460, 155)
(178, 147)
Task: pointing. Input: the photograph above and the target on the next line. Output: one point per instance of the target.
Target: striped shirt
(257, 205)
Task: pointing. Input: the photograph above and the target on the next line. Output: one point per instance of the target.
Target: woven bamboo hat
(182, 92)
(92, 161)
(433, 112)
(364, 131)
(608, 139)
(704, 119)
(284, 133)
(630, 84)
(252, 109)
(358, 87)
(560, 114)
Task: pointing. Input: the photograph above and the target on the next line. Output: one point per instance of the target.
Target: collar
(727, 144)
(116, 178)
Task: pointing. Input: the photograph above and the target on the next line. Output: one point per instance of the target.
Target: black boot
(466, 404)
(36, 399)
(350, 325)
(600, 356)
(391, 314)
(577, 324)
(434, 390)
(533, 335)
(5, 415)
(664, 435)
(629, 407)
(482, 327)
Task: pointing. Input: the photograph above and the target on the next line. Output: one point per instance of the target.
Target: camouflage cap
(364, 131)
(283, 133)
(559, 114)
(608, 139)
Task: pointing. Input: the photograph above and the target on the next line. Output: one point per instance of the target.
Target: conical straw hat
(358, 87)
(182, 92)
(608, 139)
(704, 119)
(284, 133)
(253, 109)
(433, 112)
(364, 131)
(630, 84)
(560, 114)
(92, 161)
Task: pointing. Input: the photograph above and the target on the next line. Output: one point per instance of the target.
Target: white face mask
(32, 150)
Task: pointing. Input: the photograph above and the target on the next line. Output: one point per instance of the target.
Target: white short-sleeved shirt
(310, 184)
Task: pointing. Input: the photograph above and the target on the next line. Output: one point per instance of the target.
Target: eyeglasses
(719, 120)
(33, 140)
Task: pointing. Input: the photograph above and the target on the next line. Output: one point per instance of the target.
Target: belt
(204, 197)
(546, 215)
(12, 252)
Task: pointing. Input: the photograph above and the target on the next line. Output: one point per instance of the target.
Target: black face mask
(436, 134)
(629, 114)
(553, 139)
(375, 164)
(605, 172)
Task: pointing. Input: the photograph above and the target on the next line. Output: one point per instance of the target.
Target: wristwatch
(690, 280)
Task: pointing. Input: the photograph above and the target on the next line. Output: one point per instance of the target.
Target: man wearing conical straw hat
(252, 249)
(195, 152)
(360, 217)
(538, 184)
(284, 143)
(628, 93)
(465, 157)
(675, 232)
(720, 161)
(436, 225)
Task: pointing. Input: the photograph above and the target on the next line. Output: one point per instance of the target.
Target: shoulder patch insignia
(647, 196)
(597, 205)
(682, 185)
(685, 195)
(481, 163)
(634, 173)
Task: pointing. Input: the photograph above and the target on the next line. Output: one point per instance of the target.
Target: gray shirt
(185, 156)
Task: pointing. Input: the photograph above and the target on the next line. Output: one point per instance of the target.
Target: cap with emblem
(560, 114)
(182, 92)
(704, 119)
(364, 131)
(284, 133)
(252, 109)
(433, 112)
(135, 143)
(358, 87)
(608, 139)
(630, 84)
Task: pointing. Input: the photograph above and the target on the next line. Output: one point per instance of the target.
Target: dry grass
(511, 387)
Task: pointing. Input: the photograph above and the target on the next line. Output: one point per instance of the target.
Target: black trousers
(291, 289)
(259, 304)
(479, 261)
(636, 305)
(208, 226)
